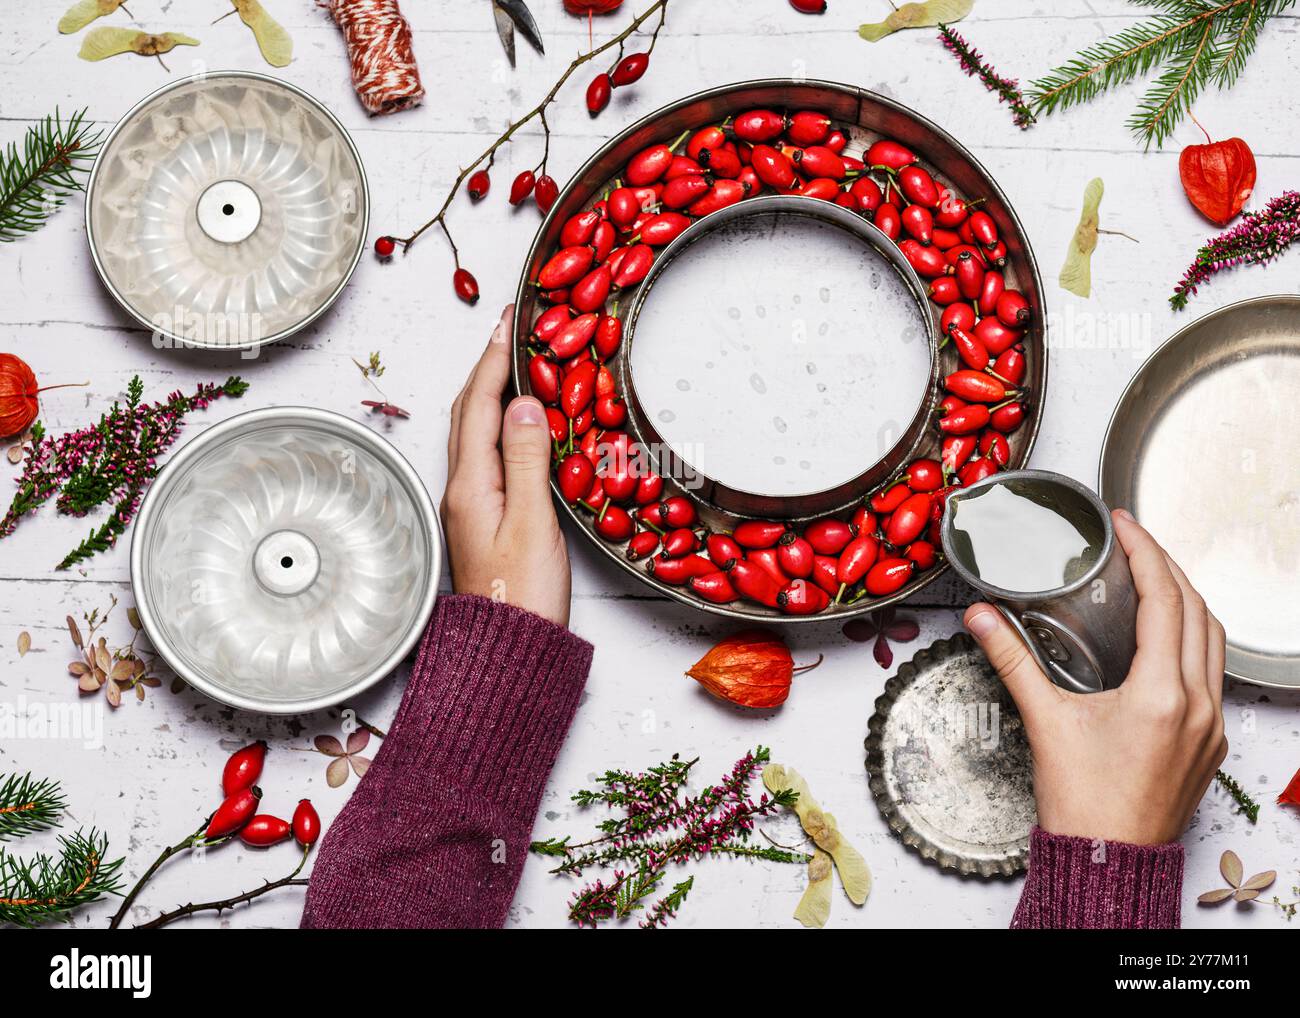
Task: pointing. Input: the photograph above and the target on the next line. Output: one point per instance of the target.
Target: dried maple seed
(243, 768)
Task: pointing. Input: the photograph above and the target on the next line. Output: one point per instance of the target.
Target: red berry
(809, 6)
(546, 193)
(522, 187)
(243, 769)
(385, 246)
(630, 69)
(233, 813)
(306, 823)
(479, 185)
(598, 93)
(264, 830)
(466, 286)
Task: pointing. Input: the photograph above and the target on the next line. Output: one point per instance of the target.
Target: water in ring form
(780, 355)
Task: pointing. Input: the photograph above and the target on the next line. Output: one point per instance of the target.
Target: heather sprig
(974, 64)
(1256, 240)
(662, 826)
(112, 462)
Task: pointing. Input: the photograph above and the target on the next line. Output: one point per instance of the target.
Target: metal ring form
(868, 116)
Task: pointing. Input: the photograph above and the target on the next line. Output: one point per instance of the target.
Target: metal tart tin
(285, 560)
(867, 116)
(1201, 450)
(949, 764)
(226, 210)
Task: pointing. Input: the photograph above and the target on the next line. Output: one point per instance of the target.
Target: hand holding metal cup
(1041, 547)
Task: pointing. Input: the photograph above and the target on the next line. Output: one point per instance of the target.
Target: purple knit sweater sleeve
(437, 831)
(1083, 884)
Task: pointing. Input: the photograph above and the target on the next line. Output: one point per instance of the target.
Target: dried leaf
(75, 633)
(1217, 895)
(360, 765)
(122, 673)
(150, 681)
(1245, 895)
(337, 772)
(24, 643)
(1230, 867)
(88, 683)
(139, 692)
(881, 652)
(814, 908)
(1260, 881)
(137, 666)
(903, 630)
(82, 13)
(78, 668)
(917, 15)
(358, 740)
(15, 454)
(133, 617)
(99, 675)
(113, 694)
(177, 684)
(328, 745)
(272, 39)
(859, 630)
(103, 659)
(1076, 273)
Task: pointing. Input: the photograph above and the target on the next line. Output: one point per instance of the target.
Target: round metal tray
(285, 560)
(226, 210)
(1200, 450)
(948, 762)
(866, 116)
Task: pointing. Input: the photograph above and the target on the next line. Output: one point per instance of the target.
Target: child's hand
(502, 535)
(1128, 764)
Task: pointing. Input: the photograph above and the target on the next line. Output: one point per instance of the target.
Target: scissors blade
(523, 19)
(506, 30)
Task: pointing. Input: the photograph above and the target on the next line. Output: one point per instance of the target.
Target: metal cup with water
(1041, 547)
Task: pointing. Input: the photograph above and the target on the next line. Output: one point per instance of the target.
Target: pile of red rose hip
(607, 250)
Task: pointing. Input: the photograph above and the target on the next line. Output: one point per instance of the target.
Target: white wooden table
(155, 773)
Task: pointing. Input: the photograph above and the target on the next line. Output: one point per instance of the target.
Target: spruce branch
(27, 806)
(43, 888)
(1193, 43)
(41, 175)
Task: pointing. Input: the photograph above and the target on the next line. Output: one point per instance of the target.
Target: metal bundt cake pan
(226, 210)
(285, 559)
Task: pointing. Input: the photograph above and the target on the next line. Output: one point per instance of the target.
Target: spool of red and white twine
(378, 38)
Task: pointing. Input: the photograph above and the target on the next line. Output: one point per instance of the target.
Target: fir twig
(44, 888)
(1256, 240)
(27, 806)
(1193, 43)
(37, 178)
(1249, 807)
(974, 64)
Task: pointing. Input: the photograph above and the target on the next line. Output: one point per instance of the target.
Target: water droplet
(733, 313)
(798, 299)
(812, 368)
(757, 384)
(708, 364)
(667, 416)
(760, 311)
(824, 328)
(683, 385)
(821, 386)
(825, 294)
(875, 281)
(805, 465)
(779, 424)
(779, 460)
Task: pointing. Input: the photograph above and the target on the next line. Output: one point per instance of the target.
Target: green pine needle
(41, 175)
(1192, 43)
(45, 888)
(27, 806)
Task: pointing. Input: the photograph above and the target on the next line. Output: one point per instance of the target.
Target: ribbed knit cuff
(1085, 884)
(491, 696)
